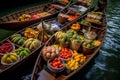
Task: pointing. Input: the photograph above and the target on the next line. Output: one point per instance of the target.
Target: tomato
(56, 62)
(61, 65)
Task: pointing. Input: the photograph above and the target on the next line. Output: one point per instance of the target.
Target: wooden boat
(47, 68)
(5, 68)
(74, 11)
(25, 34)
(24, 18)
(61, 21)
(8, 68)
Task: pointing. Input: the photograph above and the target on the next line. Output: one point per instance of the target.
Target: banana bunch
(22, 52)
(31, 43)
(24, 17)
(10, 58)
(17, 38)
(58, 34)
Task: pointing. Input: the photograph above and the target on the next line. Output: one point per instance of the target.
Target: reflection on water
(107, 63)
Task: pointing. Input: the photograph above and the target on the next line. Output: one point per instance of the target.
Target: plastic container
(12, 62)
(13, 48)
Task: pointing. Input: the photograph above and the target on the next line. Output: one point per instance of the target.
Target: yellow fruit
(13, 58)
(4, 57)
(9, 60)
(15, 54)
(96, 43)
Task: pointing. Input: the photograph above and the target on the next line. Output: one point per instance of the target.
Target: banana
(21, 41)
(15, 54)
(31, 39)
(35, 43)
(16, 39)
(19, 49)
(9, 60)
(31, 46)
(26, 53)
(4, 58)
(28, 41)
(21, 54)
(15, 35)
(13, 58)
(12, 39)
(27, 50)
(23, 38)
(28, 44)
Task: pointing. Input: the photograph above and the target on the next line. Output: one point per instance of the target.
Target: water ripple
(107, 63)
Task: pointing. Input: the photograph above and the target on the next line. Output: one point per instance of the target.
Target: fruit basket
(87, 48)
(10, 59)
(66, 54)
(6, 47)
(55, 65)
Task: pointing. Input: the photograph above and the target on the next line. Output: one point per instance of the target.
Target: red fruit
(61, 65)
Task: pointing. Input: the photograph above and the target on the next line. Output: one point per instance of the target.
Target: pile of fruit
(49, 52)
(75, 27)
(32, 43)
(85, 22)
(9, 58)
(25, 17)
(94, 17)
(66, 54)
(17, 38)
(22, 52)
(56, 63)
(72, 64)
(73, 17)
(66, 39)
(31, 33)
(58, 34)
(91, 43)
(80, 58)
(6, 47)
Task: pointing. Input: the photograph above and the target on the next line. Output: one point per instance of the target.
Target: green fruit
(25, 53)
(15, 35)
(27, 50)
(88, 46)
(12, 39)
(21, 54)
(16, 39)
(21, 41)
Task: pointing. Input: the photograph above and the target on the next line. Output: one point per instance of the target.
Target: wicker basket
(87, 51)
(75, 45)
(63, 45)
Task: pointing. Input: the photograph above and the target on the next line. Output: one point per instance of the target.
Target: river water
(106, 65)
